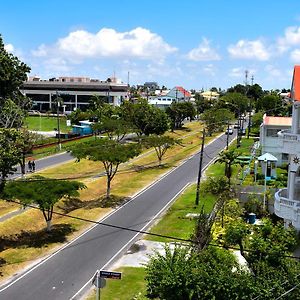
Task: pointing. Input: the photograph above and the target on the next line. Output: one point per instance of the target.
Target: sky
(197, 44)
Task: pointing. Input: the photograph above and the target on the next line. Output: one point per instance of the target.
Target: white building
(287, 201)
(269, 139)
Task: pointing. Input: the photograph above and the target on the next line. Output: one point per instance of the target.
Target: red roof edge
(295, 90)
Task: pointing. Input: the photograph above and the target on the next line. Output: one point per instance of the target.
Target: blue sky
(195, 44)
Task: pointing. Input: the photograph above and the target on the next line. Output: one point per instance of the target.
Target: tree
(270, 103)
(44, 192)
(113, 128)
(235, 102)
(178, 111)
(9, 154)
(228, 157)
(109, 152)
(146, 118)
(160, 143)
(202, 104)
(13, 104)
(184, 274)
(25, 142)
(216, 119)
(236, 232)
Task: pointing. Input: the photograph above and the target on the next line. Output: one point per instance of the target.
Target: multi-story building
(268, 137)
(76, 92)
(287, 201)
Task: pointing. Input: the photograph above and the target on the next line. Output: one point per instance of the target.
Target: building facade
(76, 92)
(270, 141)
(287, 200)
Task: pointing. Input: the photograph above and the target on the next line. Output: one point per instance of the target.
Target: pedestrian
(33, 166)
(29, 166)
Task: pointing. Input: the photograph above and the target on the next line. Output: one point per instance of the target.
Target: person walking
(29, 166)
(33, 166)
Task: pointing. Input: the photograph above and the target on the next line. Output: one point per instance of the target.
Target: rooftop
(280, 121)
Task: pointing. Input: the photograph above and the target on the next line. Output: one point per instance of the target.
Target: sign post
(99, 280)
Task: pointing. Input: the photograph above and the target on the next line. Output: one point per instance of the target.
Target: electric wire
(141, 231)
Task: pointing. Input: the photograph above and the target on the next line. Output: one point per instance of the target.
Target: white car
(229, 131)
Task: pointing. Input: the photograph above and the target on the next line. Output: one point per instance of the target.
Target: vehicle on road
(229, 130)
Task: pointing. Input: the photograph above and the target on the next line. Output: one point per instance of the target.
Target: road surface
(63, 275)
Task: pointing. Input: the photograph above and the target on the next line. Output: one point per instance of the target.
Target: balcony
(290, 142)
(287, 209)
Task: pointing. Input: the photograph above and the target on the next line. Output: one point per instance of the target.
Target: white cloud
(236, 72)
(273, 71)
(138, 43)
(9, 48)
(245, 49)
(291, 38)
(295, 56)
(210, 69)
(203, 52)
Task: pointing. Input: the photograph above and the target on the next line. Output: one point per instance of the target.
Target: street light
(265, 183)
(58, 104)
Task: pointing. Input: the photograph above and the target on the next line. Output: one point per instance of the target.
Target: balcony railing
(290, 141)
(286, 208)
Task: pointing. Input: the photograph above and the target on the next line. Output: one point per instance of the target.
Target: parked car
(229, 130)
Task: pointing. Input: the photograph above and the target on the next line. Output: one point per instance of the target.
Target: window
(272, 132)
(284, 157)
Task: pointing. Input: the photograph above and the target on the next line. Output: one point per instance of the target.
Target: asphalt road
(63, 274)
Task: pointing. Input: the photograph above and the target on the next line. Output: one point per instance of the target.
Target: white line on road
(142, 229)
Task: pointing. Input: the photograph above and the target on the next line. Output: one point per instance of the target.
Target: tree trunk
(48, 225)
(108, 187)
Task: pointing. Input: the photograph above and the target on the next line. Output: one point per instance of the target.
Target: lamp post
(265, 183)
(58, 102)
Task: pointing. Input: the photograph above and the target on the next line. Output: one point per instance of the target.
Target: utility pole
(250, 111)
(58, 121)
(200, 169)
(227, 139)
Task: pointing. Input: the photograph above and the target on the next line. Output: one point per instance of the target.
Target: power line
(142, 231)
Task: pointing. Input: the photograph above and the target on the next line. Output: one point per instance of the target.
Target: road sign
(97, 281)
(110, 275)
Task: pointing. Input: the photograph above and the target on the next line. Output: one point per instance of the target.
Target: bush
(254, 205)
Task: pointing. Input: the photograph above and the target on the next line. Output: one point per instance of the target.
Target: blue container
(252, 218)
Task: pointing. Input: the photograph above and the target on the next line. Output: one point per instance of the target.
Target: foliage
(113, 128)
(9, 154)
(236, 232)
(254, 205)
(160, 143)
(145, 118)
(216, 185)
(44, 192)
(270, 243)
(229, 158)
(271, 104)
(78, 115)
(13, 104)
(109, 152)
(25, 142)
(178, 111)
(235, 102)
(202, 104)
(184, 274)
(216, 119)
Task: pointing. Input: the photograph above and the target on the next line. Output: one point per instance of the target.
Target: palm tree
(228, 157)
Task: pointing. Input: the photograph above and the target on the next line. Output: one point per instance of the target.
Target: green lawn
(131, 286)
(174, 222)
(44, 123)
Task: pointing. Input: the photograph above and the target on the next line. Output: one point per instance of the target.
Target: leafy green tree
(216, 119)
(202, 104)
(236, 102)
(236, 233)
(160, 143)
(79, 115)
(216, 185)
(229, 158)
(44, 192)
(25, 143)
(184, 274)
(270, 103)
(109, 152)
(13, 104)
(113, 128)
(146, 118)
(9, 154)
(178, 112)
